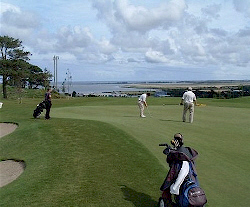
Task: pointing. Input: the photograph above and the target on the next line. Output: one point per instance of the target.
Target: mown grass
(76, 163)
(98, 152)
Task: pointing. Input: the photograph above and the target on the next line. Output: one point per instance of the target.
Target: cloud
(5, 7)
(20, 20)
(131, 25)
(80, 42)
(17, 23)
(120, 15)
(133, 60)
(212, 11)
(76, 37)
(155, 57)
(124, 35)
(141, 19)
(242, 7)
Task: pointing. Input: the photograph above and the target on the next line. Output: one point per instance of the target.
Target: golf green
(219, 134)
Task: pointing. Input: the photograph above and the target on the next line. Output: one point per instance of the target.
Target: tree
(38, 77)
(13, 59)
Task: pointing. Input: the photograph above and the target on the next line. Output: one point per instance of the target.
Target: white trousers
(188, 107)
(141, 107)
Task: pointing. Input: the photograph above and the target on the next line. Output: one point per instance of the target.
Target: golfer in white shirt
(188, 99)
(142, 103)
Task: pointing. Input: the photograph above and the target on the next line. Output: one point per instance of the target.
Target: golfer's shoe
(142, 116)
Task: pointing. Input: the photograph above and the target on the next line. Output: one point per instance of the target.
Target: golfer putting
(142, 103)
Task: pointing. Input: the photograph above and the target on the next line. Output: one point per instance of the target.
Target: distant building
(161, 93)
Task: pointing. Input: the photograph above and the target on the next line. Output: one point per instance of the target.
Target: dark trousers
(48, 106)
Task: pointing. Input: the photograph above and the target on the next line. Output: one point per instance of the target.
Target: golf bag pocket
(192, 195)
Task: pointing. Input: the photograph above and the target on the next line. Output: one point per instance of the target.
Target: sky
(134, 40)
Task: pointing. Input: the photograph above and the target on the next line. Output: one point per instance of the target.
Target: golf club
(149, 112)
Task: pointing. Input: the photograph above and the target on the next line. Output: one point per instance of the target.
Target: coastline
(134, 88)
(194, 84)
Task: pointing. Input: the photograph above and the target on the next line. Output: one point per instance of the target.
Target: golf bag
(191, 194)
(181, 182)
(39, 109)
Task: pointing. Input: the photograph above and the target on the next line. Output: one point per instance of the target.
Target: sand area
(9, 169)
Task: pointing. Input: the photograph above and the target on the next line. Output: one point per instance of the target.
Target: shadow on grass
(137, 198)
(170, 120)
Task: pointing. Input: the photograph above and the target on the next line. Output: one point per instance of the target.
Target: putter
(149, 112)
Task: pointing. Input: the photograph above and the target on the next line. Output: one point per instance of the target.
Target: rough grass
(98, 150)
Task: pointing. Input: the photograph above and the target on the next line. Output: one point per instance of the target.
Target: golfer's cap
(189, 88)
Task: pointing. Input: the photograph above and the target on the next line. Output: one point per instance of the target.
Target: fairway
(99, 150)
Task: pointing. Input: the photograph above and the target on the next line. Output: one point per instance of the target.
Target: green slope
(98, 150)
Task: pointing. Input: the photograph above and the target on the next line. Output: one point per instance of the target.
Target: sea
(87, 87)
(100, 87)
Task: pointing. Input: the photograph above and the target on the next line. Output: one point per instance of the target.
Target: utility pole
(55, 58)
(69, 79)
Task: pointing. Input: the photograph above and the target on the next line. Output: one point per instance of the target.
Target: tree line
(16, 70)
